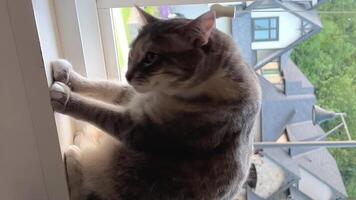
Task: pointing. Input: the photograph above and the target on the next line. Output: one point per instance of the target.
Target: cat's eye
(150, 59)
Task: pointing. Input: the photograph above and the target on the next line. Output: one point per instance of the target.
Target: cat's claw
(60, 94)
(61, 70)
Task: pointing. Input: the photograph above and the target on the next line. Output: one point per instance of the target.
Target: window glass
(262, 35)
(261, 24)
(265, 29)
(304, 57)
(273, 23)
(273, 34)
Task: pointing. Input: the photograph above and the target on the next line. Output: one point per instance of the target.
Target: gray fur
(182, 129)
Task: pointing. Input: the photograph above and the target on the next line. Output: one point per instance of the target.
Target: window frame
(107, 4)
(81, 38)
(269, 29)
(74, 34)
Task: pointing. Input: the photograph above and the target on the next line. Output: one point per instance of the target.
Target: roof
(282, 158)
(318, 161)
(323, 166)
(295, 80)
(303, 131)
(279, 110)
(297, 194)
(295, 8)
(269, 91)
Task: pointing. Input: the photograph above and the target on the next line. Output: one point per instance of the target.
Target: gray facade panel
(284, 59)
(241, 32)
(295, 81)
(276, 114)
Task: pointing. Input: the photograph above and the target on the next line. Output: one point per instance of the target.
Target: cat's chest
(168, 115)
(159, 109)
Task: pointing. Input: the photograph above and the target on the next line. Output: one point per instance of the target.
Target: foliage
(329, 61)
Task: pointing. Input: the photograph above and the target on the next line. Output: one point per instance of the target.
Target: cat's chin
(141, 89)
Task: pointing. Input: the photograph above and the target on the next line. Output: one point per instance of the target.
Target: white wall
(263, 53)
(19, 163)
(289, 29)
(30, 162)
(314, 2)
(308, 184)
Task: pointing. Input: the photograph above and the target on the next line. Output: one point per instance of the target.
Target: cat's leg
(111, 118)
(74, 172)
(91, 138)
(108, 91)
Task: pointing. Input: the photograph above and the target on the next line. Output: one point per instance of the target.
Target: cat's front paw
(60, 94)
(61, 70)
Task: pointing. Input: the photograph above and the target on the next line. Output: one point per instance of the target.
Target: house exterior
(266, 31)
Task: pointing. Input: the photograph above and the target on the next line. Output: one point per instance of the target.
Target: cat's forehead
(161, 27)
(140, 46)
(161, 35)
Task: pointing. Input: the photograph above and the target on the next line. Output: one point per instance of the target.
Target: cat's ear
(199, 29)
(146, 18)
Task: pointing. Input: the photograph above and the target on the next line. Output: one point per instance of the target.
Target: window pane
(338, 34)
(273, 34)
(273, 22)
(261, 24)
(304, 23)
(261, 35)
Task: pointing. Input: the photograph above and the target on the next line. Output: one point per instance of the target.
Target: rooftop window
(265, 29)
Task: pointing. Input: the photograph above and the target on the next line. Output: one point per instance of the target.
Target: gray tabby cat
(182, 127)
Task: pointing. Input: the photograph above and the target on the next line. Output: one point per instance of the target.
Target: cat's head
(166, 54)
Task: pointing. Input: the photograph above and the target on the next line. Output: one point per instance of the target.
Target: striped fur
(180, 130)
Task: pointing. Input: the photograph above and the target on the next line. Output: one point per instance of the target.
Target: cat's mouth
(139, 86)
(145, 85)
